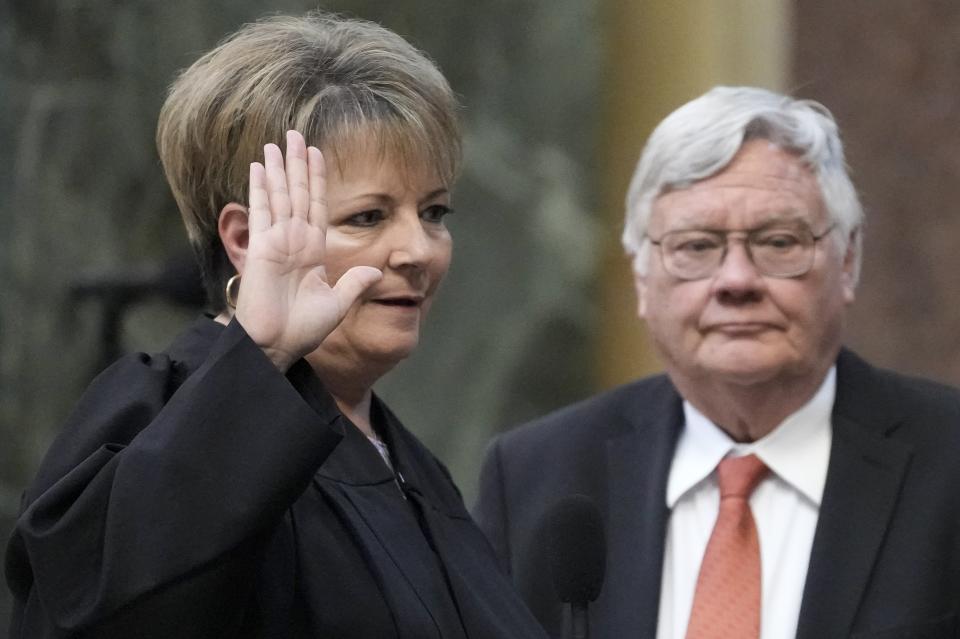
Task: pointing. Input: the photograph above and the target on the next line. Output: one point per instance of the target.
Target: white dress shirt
(785, 506)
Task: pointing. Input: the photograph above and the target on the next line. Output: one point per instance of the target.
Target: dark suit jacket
(199, 493)
(886, 554)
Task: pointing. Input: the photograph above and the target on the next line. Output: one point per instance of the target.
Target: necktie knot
(738, 476)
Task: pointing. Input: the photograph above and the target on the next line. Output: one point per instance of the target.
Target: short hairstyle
(345, 84)
(701, 138)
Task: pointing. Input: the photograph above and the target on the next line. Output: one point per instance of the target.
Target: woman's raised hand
(285, 302)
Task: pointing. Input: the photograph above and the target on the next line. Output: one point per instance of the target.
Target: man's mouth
(743, 328)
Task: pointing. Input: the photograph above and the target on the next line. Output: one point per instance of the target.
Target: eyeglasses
(776, 251)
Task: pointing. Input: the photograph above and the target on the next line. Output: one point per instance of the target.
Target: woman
(247, 482)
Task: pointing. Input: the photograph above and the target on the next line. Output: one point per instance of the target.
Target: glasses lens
(692, 255)
(782, 252)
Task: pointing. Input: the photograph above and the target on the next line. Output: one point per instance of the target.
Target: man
(744, 230)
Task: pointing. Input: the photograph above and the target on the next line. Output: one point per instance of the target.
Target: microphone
(577, 549)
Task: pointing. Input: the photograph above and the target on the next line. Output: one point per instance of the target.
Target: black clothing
(200, 493)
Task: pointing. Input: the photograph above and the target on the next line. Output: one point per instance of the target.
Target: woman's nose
(410, 243)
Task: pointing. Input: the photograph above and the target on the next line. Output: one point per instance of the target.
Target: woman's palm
(285, 303)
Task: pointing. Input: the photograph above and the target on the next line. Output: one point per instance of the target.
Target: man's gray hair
(702, 137)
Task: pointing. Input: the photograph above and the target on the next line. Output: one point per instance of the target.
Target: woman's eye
(435, 213)
(365, 218)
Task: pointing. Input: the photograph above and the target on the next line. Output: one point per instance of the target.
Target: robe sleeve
(151, 508)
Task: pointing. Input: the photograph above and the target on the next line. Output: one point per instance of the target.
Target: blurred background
(559, 96)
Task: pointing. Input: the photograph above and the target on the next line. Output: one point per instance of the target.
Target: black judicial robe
(200, 493)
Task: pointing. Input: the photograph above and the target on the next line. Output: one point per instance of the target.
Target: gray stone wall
(82, 196)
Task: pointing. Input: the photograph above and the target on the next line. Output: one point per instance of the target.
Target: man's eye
(435, 213)
(697, 245)
(365, 218)
(780, 241)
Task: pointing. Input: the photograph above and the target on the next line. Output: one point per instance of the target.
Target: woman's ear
(234, 232)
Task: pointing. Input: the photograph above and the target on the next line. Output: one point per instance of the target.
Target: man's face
(737, 325)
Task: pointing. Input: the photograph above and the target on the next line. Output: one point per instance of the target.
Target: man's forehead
(790, 199)
(722, 220)
(763, 183)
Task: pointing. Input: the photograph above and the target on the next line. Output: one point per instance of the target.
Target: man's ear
(850, 266)
(234, 229)
(640, 284)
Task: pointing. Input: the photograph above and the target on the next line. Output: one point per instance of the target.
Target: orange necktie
(726, 603)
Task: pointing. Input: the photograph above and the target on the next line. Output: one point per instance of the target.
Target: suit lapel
(864, 477)
(638, 463)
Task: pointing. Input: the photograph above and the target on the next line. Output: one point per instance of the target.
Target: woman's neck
(349, 382)
(350, 385)
(358, 412)
(349, 377)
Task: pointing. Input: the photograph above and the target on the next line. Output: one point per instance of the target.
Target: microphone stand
(580, 621)
(577, 551)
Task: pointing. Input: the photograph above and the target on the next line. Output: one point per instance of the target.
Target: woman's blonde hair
(343, 83)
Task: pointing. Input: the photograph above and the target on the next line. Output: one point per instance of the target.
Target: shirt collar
(797, 451)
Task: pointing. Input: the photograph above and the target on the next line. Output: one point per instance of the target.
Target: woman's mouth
(400, 302)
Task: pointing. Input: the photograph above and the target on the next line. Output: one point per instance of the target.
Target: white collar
(797, 451)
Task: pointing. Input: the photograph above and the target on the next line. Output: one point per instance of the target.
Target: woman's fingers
(259, 212)
(293, 184)
(353, 283)
(298, 188)
(276, 182)
(318, 187)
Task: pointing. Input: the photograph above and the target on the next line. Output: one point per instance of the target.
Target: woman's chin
(391, 350)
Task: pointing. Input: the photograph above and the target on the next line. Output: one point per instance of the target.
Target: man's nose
(737, 276)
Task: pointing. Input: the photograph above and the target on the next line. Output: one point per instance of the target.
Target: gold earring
(229, 292)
